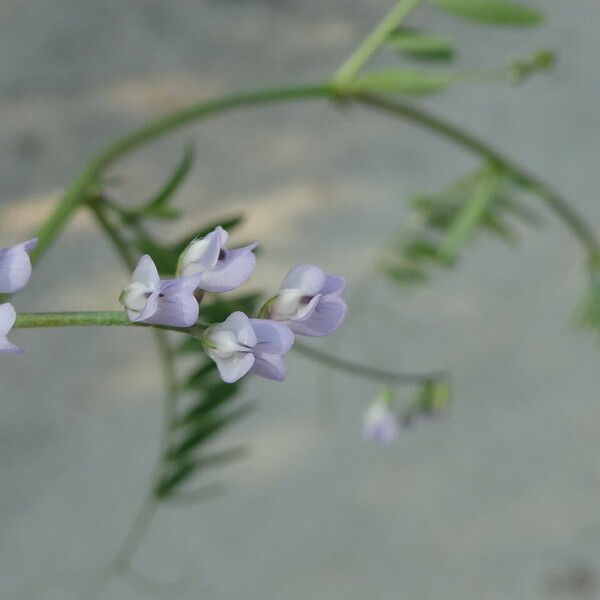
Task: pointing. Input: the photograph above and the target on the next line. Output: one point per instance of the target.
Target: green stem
(579, 227)
(74, 319)
(82, 186)
(365, 372)
(373, 42)
(88, 319)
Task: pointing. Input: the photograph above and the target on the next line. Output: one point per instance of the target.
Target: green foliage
(443, 224)
(417, 45)
(159, 206)
(432, 397)
(542, 60)
(469, 216)
(214, 407)
(588, 313)
(492, 12)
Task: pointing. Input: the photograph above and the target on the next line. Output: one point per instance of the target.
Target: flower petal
(15, 266)
(234, 367)
(8, 316)
(202, 254)
(150, 309)
(380, 424)
(7, 320)
(270, 366)
(176, 310)
(334, 284)
(326, 318)
(181, 285)
(309, 279)
(273, 337)
(146, 272)
(231, 272)
(240, 325)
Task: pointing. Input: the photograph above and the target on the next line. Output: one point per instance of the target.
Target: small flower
(219, 269)
(156, 301)
(380, 422)
(15, 266)
(309, 301)
(240, 344)
(7, 320)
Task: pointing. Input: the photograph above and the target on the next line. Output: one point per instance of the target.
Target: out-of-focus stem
(366, 372)
(80, 189)
(373, 42)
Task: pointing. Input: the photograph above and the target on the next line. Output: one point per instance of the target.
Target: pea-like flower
(239, 345)
(156, 301)
(15, 266)
(8, 316)
(380, 423)
(309, 301)
(218, 269)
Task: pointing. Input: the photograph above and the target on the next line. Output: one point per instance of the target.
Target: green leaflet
(470, 216)
(442, 223)
(422, 46)
(492, 12)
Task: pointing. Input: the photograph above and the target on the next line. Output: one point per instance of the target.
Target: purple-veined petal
(231, 272)
(235, 366)
(273, 337)
(15, 266)
(8, 316)
(334, 284)
(325, 319)
(308, 279)
(270, 366)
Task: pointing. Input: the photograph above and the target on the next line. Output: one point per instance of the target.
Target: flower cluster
(15, 271)
(308, 303)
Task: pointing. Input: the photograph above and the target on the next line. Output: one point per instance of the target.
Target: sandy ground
(497, 500)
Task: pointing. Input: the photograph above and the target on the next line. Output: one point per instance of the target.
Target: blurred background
(497, 499)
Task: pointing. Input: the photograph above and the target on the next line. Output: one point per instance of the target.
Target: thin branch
(366, 372)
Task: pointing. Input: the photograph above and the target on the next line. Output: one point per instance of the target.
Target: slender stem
(584, 232)
(86, 319)
(365, 372)
(80, 189)
(373, 41)
(73, 319)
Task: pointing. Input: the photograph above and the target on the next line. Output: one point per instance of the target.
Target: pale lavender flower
(218, 269)
(15, 266)
(7, 320)
(380, 423)
(239, 345)
(309, 301)
(150, 299)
